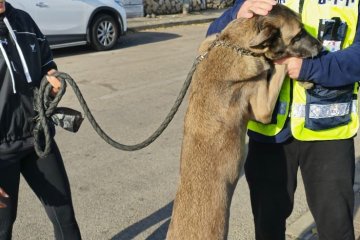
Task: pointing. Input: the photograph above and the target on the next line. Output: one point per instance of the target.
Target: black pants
(48, 180)
(327, 169)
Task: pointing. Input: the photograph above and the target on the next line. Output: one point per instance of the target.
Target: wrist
(303, 76)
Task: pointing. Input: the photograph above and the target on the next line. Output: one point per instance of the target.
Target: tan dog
(230, 87)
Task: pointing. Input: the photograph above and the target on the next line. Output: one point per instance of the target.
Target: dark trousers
(48, 179)
(327, 169)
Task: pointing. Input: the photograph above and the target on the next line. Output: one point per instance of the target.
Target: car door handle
(42, 5)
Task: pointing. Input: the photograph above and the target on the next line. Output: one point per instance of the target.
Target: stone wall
(219, 4)
(162, 7)
(133, 8)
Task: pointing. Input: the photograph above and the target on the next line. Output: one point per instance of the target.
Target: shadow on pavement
(140, 38)
(129, 40)
(137, 228)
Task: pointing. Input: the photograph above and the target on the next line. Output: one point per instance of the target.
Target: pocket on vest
(328, 107)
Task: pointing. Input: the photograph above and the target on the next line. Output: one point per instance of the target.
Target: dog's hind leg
(209, 174)
(201, 213)
(199, 217)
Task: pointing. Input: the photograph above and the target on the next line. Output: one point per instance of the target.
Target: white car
(66, 23)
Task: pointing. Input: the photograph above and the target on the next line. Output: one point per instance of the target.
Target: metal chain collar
(221, 43)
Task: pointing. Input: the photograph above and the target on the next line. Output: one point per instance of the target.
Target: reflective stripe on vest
(318, 111)
(312, 12)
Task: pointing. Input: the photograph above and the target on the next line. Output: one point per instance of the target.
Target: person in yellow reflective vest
(312, 130)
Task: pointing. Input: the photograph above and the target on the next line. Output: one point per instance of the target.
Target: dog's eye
(298, 36)
(277, 34)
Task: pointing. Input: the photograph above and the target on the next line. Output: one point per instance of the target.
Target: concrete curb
(169, 24)
(303, 229)
(162, 21)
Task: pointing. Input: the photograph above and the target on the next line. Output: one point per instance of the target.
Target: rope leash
(45, 106)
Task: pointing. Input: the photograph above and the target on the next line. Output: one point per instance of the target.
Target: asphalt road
(128, 195)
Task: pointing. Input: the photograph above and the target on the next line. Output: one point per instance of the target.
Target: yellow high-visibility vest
(304, 114)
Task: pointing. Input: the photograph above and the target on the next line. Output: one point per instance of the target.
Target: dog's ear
(263, 38)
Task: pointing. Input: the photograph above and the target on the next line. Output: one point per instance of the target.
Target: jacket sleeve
(47, 61)
(334, 69)
(221, 22)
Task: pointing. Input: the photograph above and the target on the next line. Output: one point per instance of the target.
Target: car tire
(104, 32)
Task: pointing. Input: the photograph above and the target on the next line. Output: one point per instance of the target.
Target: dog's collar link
(241, 51)
(221, 43)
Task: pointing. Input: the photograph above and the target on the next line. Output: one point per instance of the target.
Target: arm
(48, 66)
(47, 61)
(221, 22)
(334, 69)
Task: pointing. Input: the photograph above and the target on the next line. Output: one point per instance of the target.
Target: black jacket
(16, 109)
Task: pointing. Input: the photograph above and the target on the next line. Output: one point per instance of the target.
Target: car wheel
(104, 33)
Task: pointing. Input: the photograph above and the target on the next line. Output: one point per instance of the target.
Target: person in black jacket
(25, 57)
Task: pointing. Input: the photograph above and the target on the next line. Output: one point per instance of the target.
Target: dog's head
(281, 34)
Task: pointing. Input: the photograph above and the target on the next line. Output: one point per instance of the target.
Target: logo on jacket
(4, 41)
(32, 47)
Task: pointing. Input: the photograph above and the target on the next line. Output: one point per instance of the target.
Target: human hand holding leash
(252, 7)
(3, 194)
(55, 83)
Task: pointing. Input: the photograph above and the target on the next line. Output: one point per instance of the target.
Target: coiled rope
(46, 106)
